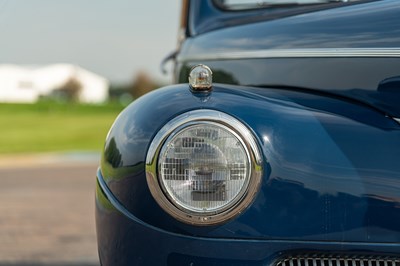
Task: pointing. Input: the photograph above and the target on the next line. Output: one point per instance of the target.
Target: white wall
(16, 85)
(26, 84)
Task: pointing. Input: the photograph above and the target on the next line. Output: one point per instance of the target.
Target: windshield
(253, 4)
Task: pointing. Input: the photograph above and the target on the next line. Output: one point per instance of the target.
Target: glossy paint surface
(126, 241)
(356, 78)
(373, 24)
(206, 16)
(330, 173)
(324, 174)
(330, 145)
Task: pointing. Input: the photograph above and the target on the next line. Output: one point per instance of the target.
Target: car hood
(351, 51)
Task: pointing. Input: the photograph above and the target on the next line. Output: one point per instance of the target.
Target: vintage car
(278, 145)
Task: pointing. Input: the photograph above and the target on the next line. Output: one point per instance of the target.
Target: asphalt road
(47, 213)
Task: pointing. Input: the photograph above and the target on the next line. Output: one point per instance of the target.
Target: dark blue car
(283, 149)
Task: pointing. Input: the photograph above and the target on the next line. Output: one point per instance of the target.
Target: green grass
(51, 126)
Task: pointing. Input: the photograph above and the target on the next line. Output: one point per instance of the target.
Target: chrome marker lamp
(200, 78)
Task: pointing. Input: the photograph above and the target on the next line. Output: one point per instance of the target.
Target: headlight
(203, 167)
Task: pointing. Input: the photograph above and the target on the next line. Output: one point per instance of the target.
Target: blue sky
(112, 38)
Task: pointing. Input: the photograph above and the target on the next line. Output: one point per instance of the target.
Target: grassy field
(50, 126)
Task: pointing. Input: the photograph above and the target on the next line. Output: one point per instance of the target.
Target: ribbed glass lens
(204, 168)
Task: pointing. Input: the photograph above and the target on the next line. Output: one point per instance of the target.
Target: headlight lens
(203, 167)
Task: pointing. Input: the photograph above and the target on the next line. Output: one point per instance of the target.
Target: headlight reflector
(203, 167)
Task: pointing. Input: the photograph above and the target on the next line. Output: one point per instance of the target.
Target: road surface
(47, 212)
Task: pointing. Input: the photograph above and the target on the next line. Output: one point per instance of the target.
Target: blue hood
(369, 26)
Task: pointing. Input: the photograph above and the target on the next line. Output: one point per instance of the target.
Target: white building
(26, 84)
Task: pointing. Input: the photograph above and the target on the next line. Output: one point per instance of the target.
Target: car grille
(338, 260)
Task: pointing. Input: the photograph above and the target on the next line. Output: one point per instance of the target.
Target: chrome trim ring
(193, 118)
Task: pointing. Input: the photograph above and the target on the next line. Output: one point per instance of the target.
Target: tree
(142, 84)
(70, 90)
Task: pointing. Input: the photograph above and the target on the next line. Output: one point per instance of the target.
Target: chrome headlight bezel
(176, 125)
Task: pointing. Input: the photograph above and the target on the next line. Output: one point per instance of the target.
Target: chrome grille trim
(338, 260)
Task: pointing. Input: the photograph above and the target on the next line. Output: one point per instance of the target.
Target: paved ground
(47, 212)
